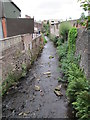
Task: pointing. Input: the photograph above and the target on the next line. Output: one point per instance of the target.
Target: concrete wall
(54, 29)
(16, 51)
(0, 9)
(83, 49)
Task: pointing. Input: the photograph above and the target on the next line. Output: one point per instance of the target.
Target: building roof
(15, 5)
(1, 7)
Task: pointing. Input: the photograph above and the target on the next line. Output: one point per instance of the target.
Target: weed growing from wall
(11, 80)
(24, 70)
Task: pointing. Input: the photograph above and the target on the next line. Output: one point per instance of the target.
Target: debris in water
(41, 93)
(51, 57)
(47, 73)
(20, 113)
(58, 88)
(24, 114)
(58, 93)
(38, 79)
(37, 88)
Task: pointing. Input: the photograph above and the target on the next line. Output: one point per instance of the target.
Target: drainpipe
(4, 22)
(4, 27)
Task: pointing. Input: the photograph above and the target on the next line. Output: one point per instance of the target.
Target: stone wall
(82, 49)
(89, 54)
(17, 51)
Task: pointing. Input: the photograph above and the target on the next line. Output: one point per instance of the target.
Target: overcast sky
(50, 9)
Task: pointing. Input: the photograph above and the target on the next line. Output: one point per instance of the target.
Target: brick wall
(18, 50)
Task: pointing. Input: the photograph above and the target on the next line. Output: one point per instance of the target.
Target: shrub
(51, 37)
(67, 62)
(24, 70)
(60, 41)
(55, 40)
(75, 87)
(10, 80)
(64, 29)
(46, 29)
(72, 39)
(74, 72)
(62, 50)
(45, 41)
(82, 105)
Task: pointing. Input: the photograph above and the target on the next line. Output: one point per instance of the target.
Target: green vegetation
(46, 29)
(56, 40)
(82, 105)
(85, 4)
(62, 50)
(83, 20)
(72, 40)
(24, 70)
(44, 40)
(10, 81)
(78, 90)
(64, 29)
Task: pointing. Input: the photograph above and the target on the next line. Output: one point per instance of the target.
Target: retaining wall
(17, 51)
(83, 49)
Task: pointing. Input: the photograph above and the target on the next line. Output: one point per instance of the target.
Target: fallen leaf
(58, 93)
(47, 73)
(37, 88)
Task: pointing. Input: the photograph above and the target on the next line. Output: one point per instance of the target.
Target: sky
(50, 9)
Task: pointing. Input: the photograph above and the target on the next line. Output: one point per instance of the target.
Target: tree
(64, 29)
(46, 28)
(82, 20)
(82, 16)
(85, 4)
